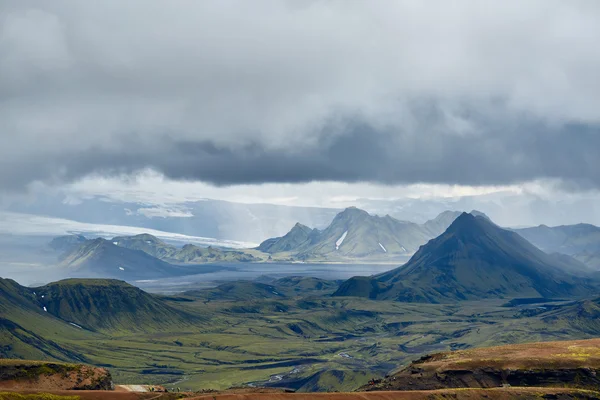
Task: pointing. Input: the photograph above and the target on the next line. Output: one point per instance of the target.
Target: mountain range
(474, 259)
(355, 234)
(136, 257)
(582, 241)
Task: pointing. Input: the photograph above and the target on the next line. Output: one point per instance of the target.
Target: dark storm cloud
(237, 92)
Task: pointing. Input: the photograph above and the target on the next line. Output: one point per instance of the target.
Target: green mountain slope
(238, 291)
(106, 304)
(27, 331)
(147, 243)
(292, 286)
(474, 259)
(188, 254)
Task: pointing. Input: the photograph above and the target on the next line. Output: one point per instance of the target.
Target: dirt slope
(39, 375)
(455, 394)
(558, 364)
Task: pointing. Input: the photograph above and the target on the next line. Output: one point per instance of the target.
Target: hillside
(67, 243)
(355, 234)
(43, 375)
(27, 331)
(574, 364)
(188, 254)
(102, 258)
(299, 237)
(275, 289)
(582, 241)
(474, 259)
(105, 304)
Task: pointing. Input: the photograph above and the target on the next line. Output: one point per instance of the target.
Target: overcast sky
(382, 98)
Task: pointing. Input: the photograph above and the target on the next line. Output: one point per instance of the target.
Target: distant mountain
(106, 304)
(566, 239)
(238, 291)
(474, 259)
(104, 259)
(67, 243)
(190, 254)
(147, 243)
(355, 234)
(291, 286)
(298, 237)
(582, 241)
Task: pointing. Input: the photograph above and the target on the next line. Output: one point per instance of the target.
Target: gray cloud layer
(274, 91)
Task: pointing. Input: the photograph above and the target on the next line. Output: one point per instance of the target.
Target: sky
(299, 102)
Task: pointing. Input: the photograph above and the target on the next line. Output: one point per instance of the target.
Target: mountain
(67, 243)
(590, 258)
(145, 242)
(300, 236)
(474, 259)
(291, 286)
(354, 233)
(439, 224)
(581, 241)
(103, 258)
(107, 304)
(237, 291)
(567, 239)
(189, 253)
(28, 331)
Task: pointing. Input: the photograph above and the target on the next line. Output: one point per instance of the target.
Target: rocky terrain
(23, 374)
(574, 364)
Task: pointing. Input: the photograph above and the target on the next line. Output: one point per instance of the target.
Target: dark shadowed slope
(102, 258)
(474, 259)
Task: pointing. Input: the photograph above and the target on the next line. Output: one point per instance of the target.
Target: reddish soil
(573, 364)
(455, 394)
(82, 377)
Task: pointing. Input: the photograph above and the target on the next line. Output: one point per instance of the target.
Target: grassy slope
(475, 259)
(187, 254)
(103, 304)
(252, 340)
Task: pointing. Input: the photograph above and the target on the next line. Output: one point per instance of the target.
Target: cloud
(236, 92)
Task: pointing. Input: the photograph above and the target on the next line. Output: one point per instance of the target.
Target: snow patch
(382, 248)
(340, 241)
(149, 242)
(115, 243)
(75, 325)
(42, 296)
(122, 269)
(45, 309)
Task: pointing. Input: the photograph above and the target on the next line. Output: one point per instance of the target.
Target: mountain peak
(352, 212)
(467, 225)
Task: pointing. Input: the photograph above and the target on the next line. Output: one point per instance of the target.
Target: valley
(303, 326)
(299, 337)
